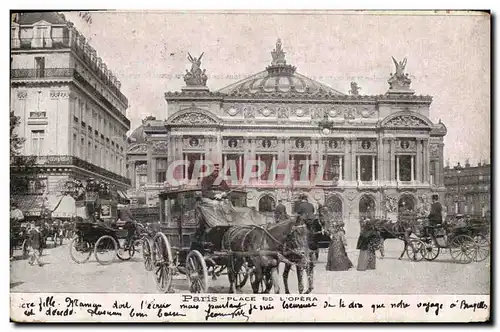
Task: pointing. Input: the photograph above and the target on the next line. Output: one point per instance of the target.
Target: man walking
(280, 212)
(35, 244)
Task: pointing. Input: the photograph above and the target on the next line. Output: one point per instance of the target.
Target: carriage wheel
(196, 272)
(430, 250)
(242, 276)
(461, 249)
(481, 249)
(415, 250)
(125, 253)
(25, 249)
(80, 250)
(105, 250)
(147, 253)
(163, 262)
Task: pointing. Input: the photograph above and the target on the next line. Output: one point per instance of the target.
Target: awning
(123, 198)
(30, 205)
(65, 209)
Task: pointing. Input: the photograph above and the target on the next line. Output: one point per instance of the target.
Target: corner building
(382, 153)
(72, 112)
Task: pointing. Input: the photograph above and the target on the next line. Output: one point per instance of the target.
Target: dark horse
(263, 249)
(401, 230)
(314, 231)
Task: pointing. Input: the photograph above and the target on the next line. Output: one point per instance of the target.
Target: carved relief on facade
(301, 112)
(138, 148)
(318, 113)
(365, 112)
(232, 110)
(267, 112)
(193, 118)
(406, 121)
(141, 168)
(233, 143)
(160, 147)
(406, 145)
(22, 94)
(366, 145)
(335, 144)
(283, 112)
(249, 112)
(390, 204)
(434, 150)
(59, 94)
(299, 144)
(193, 142)
(267, 143)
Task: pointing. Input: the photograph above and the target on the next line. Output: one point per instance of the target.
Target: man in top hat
(435, 216)
(126, 219)
(305, 210)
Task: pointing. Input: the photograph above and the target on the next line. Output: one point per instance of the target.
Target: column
(273, 164)
(153, 167)
(348, 162)
(397, 168)
(373, 168)
(132, 173)
(240, 166)
(225, 161)
(258, 169)
(292, 160)
(380, 157)
(412, 168)
(307, 166)
(426, 160)
(186, 167)
(418, 161)
(341, 171)
(150, 163)
(353, 160)
(393, 174)
(359, 168)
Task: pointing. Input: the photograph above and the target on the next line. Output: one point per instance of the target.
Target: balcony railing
(61, 43)
(42, 73)
(65, 160)
(67, 73)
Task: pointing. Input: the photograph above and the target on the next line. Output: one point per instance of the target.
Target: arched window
(367, 207)
(406, 203)
(267, 204)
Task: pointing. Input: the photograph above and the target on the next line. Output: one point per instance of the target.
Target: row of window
(303, 169)
(98, 155)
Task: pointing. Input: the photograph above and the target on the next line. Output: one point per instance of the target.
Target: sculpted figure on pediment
(138, 148)
(193, 118)
(406, 121)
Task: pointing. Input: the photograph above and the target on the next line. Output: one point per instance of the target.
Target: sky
(448, 58)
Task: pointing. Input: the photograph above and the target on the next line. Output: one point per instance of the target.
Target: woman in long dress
(337, 255)
(367, 244)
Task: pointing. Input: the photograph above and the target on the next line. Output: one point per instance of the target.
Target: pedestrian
(35, 244)
(337, 255)
(280, 212)
(305, 211)
(367, 243)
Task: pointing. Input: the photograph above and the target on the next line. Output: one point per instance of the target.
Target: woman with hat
(337, 255)
(367, 244)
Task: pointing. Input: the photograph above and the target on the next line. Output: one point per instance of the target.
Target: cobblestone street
(392, 276)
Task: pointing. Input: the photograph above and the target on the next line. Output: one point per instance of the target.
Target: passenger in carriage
(435, 216)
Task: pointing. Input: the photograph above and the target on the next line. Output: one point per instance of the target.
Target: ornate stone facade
(380, 151)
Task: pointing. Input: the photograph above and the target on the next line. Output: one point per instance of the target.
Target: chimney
(467, 163)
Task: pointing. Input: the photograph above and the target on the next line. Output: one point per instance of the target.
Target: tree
(22, 168)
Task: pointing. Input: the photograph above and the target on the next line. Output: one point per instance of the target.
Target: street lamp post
(326, 126)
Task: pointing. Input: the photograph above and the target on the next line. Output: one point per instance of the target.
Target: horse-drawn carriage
(467, 241)
(19, 238)
(207, 238)
(97, 232)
